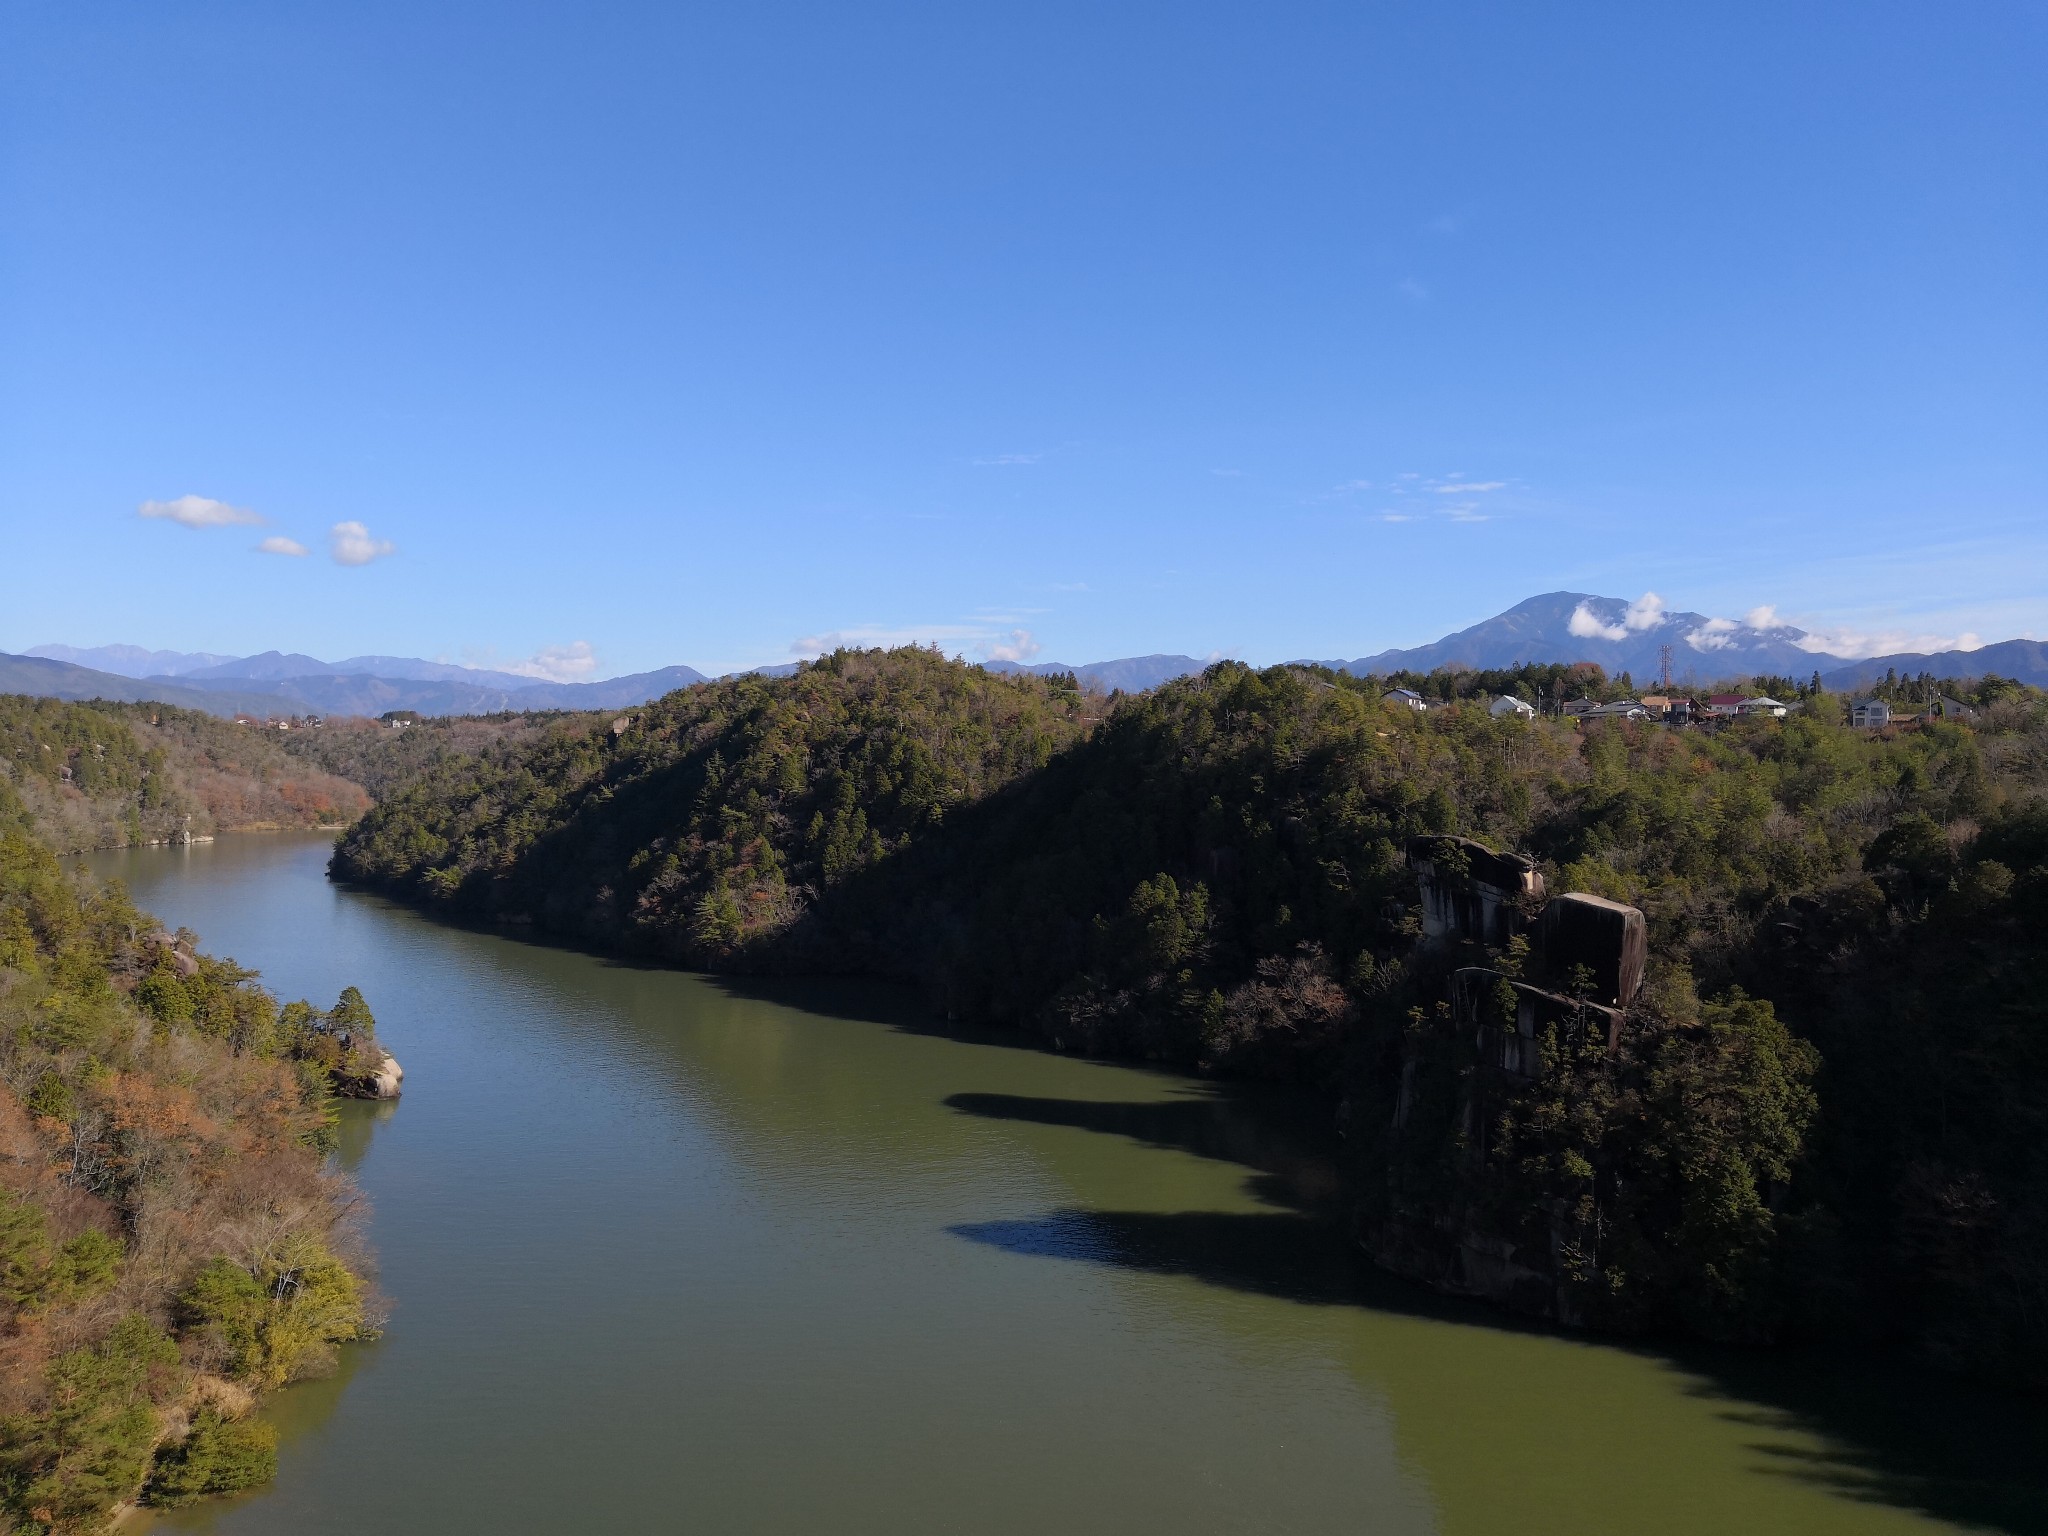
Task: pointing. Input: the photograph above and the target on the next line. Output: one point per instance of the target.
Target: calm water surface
(667, 1254)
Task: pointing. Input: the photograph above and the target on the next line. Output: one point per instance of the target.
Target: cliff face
(1551, 1142)
(1498, 1035)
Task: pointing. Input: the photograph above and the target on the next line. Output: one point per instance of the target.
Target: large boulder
(382, 1081)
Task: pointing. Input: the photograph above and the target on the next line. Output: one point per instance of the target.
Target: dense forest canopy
(100, 775)
(1825, 1113)
(171, 1243)
(371, 754)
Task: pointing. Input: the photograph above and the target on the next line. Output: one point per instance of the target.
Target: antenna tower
(1664, 653)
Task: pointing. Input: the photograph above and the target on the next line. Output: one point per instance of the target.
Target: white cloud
(1646, 612)
(1588, 625)
(278, 544)
(1456, 487)
(1764, 616)
(870, 635)
(351, 544)
(575, 662)
(1467, 514)
(992, 636)
(1714, 635)
(1010, 458)
(199, 512)
(1397, 517)
(1854, 644)
(1018, 645)
(1349, 486)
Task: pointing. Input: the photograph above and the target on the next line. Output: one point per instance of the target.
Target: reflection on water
(665, 1252)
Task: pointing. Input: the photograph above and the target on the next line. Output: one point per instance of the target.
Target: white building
(1406, 696)
(1504, 705)
(1869, 714)
(1761, 705)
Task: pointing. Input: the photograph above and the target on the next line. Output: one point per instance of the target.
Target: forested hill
(706, 825)
(1826, 1112)
(103, 775)
(171, 1241)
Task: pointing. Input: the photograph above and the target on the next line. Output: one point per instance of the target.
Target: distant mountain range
(1630, 637)
(1134, 674)
(1558, 626)
(278, 684)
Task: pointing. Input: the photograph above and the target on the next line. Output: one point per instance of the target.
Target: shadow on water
(1877, 1431)
(1886, 1433)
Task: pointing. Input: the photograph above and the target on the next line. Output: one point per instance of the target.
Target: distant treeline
(371, 754)
(1550, 683)
(1825, 1116)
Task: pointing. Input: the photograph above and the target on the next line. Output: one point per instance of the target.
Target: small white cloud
(1349, 486)
(1018, 645)
(199, 512)
(1397, 517)
(1010, 458)
(278, 544)
(351, 544)
(1467, 514)
(1588, 625)
(1764, 616)
(1468, 487)
(1646, 612)
(860, 636)
(1714, 635)
(575, 662)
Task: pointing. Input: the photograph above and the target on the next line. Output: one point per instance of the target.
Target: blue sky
(710, 333)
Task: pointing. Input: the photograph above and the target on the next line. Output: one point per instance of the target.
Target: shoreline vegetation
(113, 775)
(1820, 1119)
(174, 1241)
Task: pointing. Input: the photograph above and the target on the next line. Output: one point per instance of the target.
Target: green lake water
(669, 1253)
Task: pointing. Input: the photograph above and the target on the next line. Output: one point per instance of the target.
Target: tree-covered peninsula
(1821, 1112)
(172, 1242)
(105, 775)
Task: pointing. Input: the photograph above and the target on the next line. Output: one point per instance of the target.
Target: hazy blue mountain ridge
(44, 677)
(1133, 674)
(1558, 626)
(2023, 660)
(129, 660)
